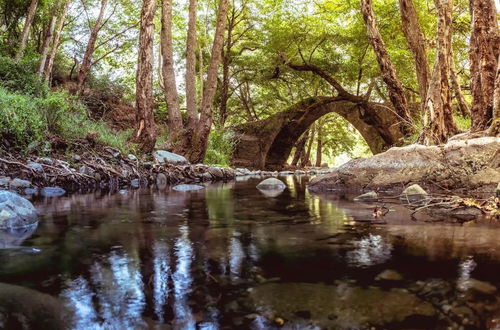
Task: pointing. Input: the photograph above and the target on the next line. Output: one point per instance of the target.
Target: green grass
(221, 144)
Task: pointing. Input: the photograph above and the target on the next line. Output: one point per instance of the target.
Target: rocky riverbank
(107, 169)
(467, 167)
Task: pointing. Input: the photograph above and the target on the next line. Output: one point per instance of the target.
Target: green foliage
(221, 144)
(20, 77)
(20, 121)
(463, 123)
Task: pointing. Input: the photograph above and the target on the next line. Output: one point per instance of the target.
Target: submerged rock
(165, 157)
(35, 167)
(30, 309)
(455, 165)
(389, 275)
(52, 191)
(341, 306)
(4, 181)
(187, 187)
(19, 183)
(161, 181)
(16, 211)
(135, 183)
(370, 196)
(413, 193)
(481, 286)
(271, 184)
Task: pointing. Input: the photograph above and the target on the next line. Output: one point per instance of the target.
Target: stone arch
(267, 143)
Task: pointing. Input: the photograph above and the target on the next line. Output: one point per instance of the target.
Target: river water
(230, 257)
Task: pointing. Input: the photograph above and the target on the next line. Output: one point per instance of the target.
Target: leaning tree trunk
(26, 29)
(416, 42)
(145, 134)
(175, 129)
(438, 114)
(300, 147)
(484, 49)
(307, 155)
(394, 86)
(89, 51)
(55, 43)
(200, 137)
(46, 45)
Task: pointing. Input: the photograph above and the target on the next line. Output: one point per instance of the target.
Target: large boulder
(165, 157)
(462, 164)
(16, 211)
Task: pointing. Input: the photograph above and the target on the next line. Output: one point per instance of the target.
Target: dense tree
(192, 140)
(438, 119)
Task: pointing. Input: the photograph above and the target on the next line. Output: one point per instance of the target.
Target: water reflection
(370, 251)
(182, 280)
(158, 258)
(116, 285)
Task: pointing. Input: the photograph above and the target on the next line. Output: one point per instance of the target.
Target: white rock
(165, 157)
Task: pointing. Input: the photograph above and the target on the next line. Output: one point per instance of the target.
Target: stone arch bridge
(267, 143)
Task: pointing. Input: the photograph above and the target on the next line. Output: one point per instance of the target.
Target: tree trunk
(438, 114)
(416, 43)
(89, 51)
(484, 49)
(394, 86)
(300, 147)
(175, 128)
(26, 29)
(200, 138)
(319, 147)
(305, 161)
(463, 107)
(495, 125)
(55, 43)
(226, 61)
(191, 67)
(145, 134)
(46, 45)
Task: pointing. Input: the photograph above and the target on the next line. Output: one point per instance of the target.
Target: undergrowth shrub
(221, 145)
(20, 121)
(19, 76)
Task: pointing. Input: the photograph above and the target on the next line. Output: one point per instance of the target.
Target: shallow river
(230, 257)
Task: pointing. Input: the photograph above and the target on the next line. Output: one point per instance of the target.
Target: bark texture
(300, 147)
(484, 52)
(89, 50)
(191, 66)
(394, 86)
(416, 42)
(55, 42)
(26, 29)
(171, 96)
(145, 134)
(438, 114)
